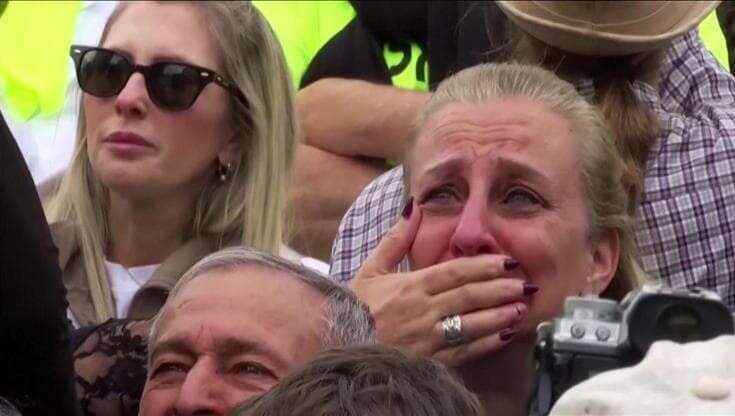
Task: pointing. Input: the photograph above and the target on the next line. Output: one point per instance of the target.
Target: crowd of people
(470, 166)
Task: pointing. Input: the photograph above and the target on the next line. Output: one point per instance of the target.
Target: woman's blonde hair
(635, 127)
(601, 168)
(249, 207)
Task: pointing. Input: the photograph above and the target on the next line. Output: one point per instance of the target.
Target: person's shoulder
(372, 214)
(303, 27)
(64, 234)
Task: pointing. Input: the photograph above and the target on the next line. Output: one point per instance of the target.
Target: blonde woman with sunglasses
(185, 141)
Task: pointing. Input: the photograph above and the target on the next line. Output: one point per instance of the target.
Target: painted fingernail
(408, 209)
(529, 289)
(511, 264)
(507, 334)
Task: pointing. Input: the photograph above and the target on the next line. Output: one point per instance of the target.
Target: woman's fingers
(394, 246)
(408, 309)
(459, 272)
(399, 305)
(481, 333)
(486, 322)
(473, 350)
(481, 295)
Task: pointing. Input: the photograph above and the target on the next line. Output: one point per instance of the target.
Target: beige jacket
(149, 298)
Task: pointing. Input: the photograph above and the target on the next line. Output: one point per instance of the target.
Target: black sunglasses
(171, 85)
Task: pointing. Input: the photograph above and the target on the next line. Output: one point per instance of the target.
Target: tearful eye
(521, 197)
(441, 195)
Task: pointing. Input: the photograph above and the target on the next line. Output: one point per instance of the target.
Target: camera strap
(542, 394)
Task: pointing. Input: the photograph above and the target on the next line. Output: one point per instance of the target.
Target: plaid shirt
(686, 219)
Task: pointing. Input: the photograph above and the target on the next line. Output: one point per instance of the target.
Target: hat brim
(590, 41)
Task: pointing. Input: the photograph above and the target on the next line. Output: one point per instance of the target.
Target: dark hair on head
(635, 127)
(366, 381)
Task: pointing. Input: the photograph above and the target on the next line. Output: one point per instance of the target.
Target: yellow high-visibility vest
(304, 27)
(34, 61)
(711, 34)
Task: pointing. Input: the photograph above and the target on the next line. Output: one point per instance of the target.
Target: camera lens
(678, 323)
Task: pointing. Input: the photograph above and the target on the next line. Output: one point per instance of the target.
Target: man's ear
(605, 254)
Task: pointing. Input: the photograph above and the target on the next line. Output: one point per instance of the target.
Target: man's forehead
(256, 303)
(247, 296)
(244, 284)
(200, 335)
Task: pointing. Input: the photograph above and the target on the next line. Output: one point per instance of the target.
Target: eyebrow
(158, 58)
(518, 170)
(122, 52)
(508, 167)
(175, 345)
(225, 346)
(233, 346)
(173, 58)
(445, 167)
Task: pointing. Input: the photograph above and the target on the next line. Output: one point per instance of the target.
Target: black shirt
(35, 362)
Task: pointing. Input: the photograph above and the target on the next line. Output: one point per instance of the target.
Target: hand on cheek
(408, 308)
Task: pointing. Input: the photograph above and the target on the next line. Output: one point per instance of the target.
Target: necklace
(132, 277)
(144, 272)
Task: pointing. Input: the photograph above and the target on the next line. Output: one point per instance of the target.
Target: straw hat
(607, 28)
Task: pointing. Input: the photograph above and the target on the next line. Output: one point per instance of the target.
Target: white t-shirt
(125, 282)
(315, 264)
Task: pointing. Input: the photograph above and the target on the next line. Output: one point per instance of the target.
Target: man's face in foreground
(230, 335)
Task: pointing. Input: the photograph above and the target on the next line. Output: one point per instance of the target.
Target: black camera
(595, 335)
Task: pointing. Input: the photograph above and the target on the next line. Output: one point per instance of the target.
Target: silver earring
(223, 171)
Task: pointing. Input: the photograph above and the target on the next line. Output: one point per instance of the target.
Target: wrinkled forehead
(248, 294)
(516, 126)
(249, 285)
(221, 320)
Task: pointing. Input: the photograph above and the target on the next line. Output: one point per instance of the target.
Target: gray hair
(348, 319)
(601, 167)
(7, 409)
